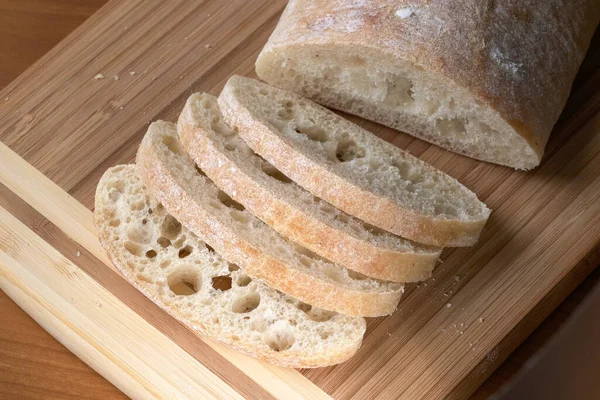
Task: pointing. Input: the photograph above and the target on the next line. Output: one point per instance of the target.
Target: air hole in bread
(228, 201)
(373, 229)
(114, 223)
(240, 216)
(172, 143)
(113, 195)
(263, 91)
(186, 251)
(454, 127)
(210, 249)
(279, 338)
(184, 282)
(405, 170)
(139, 234)
(230, 146)
(333, 272)
(319, 315)
(116, 186)
(288, 105)
(343, 218)
(199, 171)
(179, 242)
(303, 306)
(170, 228)
(400, 92)
(347, 150)
(273, 172)
(137, 206)
(243, 280)
(324, 335)
(159, 210)
(307, 262)
(150, 254)
(246, 303)
(163, 242)
(314, 133)
(134, 248)
(232, 267)
(165, 263)
(222, 283)
(285, 114)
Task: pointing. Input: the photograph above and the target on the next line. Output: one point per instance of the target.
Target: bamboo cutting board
(62, 125)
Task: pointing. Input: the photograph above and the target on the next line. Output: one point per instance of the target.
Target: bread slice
(243, 239)
(214, 298)
(288, 208)
(484, 79)
(351, 168)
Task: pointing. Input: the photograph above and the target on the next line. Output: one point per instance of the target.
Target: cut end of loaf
(398, 94)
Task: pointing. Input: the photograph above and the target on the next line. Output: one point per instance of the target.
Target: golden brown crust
(347, 196)
(330, 242)
(519, 58)
(172, 190)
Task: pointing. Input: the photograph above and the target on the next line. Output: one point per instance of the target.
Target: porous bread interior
(177, 270)
(243, 224)
(398, 94)
(359, 156)
(207, 113)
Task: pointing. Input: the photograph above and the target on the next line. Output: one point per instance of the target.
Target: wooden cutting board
(85, 106)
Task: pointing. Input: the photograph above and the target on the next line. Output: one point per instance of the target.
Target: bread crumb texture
(187, 278)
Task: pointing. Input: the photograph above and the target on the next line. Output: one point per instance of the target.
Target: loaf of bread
(292, 211)
(487, 79)
(241, 238)
(351, 168)
(189, 280)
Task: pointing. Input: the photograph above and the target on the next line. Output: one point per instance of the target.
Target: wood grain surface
(517, 274)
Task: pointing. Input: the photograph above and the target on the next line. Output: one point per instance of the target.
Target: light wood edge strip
(76, 221)
(94, 324)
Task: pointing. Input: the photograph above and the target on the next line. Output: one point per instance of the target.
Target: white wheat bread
(351, 168)
(485, 79)
(241, 238)
(289, 209)
(176, 270)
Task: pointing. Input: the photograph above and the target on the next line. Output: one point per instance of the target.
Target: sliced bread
(176, 270)
(351, 168)
(289, 209)
(173, 178)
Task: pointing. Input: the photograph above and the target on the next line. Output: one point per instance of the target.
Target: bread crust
(518, 58)
(170, 188)
(289, 358)
(264, 139)
(297, 224)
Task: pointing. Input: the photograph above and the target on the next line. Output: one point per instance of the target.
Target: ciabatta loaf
(241, 238)
(351, 168)
(185, 277)
(289, 209)
(487, 79)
